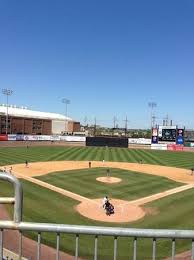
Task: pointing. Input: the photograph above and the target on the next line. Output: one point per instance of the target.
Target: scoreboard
(168, 134)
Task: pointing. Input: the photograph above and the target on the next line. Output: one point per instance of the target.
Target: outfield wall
(39, 143)
(19, 137)
(45, 140)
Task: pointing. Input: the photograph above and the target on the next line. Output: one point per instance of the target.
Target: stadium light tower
(66, 102)
(7, 92)
(152, 105)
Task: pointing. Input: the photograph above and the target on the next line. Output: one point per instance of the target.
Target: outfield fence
(77, 230)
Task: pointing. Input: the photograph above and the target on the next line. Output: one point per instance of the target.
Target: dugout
(107, 141)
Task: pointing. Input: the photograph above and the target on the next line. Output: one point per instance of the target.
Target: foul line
(160, 195)
(55, 188)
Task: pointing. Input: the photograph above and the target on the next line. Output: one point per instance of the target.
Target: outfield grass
(43, 205)
(133, 185)
(53, 153)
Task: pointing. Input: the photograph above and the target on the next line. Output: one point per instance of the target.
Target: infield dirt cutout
(125, 211)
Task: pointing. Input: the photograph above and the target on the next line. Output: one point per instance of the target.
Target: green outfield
(43, 205)
(53, 153)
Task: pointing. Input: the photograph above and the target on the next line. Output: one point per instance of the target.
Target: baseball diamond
(58, 179)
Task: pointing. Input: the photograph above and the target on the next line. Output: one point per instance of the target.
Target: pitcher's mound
(108, 179)
(124, 211)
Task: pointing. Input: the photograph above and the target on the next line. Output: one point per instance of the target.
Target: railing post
(192, 250)
(58, 245)
(154, 249)
(115, 248)
(173, 248)
(18, 200)
(96, 248)
(1, 243)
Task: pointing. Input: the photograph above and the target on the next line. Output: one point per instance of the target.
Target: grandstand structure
(21, 120)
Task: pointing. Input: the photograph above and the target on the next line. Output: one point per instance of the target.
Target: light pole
(66, 102)
(7, 92)
(152, 105)
(126, 123)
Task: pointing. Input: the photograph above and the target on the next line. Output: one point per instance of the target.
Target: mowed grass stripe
(127, 155)
(79, 154)
(143, 157)
(101, 153)
(89, 155)
(154, 158)
(148, 158)
(93, 153)
(171, 158)
(9, 157)
(74, 153)
(113, 156)
(65, 154)
(61, 154)
(119, 154)
(134, 155)
(84, 155)
(106, 154)
(19, 155)
(161, 157)
(98, 154)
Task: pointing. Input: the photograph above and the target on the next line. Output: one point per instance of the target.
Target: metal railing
(77, 230)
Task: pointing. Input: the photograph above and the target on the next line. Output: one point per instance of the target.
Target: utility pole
(95, 126)
(165, 120)
(126, 124)
(152, 105)
(85, 121)
(7, 92)
(114, 124)
(154, 121)
(114, 121)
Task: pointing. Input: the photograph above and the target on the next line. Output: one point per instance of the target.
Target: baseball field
(60, 188)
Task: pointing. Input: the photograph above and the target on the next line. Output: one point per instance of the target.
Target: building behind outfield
(25, 121)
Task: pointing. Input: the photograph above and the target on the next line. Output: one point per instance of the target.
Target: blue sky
(110, 58)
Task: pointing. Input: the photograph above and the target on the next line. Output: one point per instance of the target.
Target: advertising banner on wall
(3, 137)
(154, 139)
(37, 137)
(71, 138)
(159, 146)
(11, 137)
(160, 131)
(55, 138)
(154, 135)
(175, 147)
(180, 136)
(19, 137)
(180, 140)
(139, 141)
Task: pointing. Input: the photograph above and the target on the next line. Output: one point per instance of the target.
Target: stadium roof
(24, 112)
